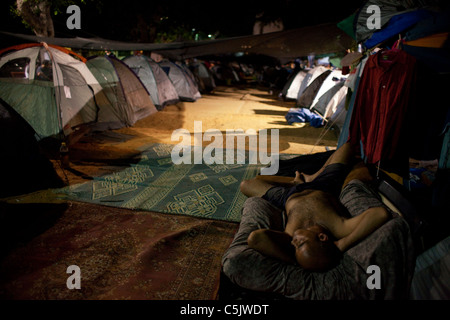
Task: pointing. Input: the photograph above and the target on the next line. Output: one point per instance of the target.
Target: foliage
(37, 14)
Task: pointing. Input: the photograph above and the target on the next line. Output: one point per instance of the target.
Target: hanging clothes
(381, 102)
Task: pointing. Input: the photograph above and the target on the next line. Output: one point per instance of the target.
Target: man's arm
(275, 244)
(281, 180)
(259, 185)
(358, 228)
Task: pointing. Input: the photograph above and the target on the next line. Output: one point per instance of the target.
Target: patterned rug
(121, 254)
(155, 183)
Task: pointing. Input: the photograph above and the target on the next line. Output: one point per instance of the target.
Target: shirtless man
(318, 227)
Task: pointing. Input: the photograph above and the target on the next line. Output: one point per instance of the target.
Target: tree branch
(36, 13)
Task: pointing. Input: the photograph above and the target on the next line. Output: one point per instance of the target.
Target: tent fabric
(437, 21)
(432, 41)
(190, 77)
(328, 102)
(39, 113)
(51, 104)
(347, 25)
(292, 87)
(288, 84)
(156, 81)
(125, 91)
(352, 83)
(444, 159)
(388, 9)
(186, 88)
(333, 77)
(138, 98)
(307, 97)
(116, 112)
(24, 168)
(309, 78)
(430, 280)
(326, 93)
(397, 24)
(203, 76)
(283, 45)
(337, 118)
(30, 45)
(428, 41)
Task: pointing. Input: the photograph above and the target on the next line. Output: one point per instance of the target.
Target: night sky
(142, 21)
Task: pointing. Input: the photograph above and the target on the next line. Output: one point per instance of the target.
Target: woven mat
(155, 183)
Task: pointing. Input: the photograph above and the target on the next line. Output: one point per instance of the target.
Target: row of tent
(422, 29)
(55, 89)
(318, 92)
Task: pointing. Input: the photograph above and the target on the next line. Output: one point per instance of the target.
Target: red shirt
(382, 99)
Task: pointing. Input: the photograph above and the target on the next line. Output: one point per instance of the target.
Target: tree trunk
(36, 13)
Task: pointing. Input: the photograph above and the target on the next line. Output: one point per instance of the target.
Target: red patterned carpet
(121, 253)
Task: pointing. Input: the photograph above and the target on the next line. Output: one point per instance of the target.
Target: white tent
(309, 78)
(331, 105)
(292, 86)
(333, 78)
(338, 117)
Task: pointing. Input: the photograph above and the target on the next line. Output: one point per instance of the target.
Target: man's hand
(299, 178)
(275, 244)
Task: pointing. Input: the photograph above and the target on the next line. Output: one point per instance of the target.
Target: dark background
(173, 20)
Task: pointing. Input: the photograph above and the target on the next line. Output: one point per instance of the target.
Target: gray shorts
(330, 180)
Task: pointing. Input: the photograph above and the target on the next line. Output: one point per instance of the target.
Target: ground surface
(228, 108)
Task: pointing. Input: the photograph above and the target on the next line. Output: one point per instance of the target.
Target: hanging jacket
(380, 105)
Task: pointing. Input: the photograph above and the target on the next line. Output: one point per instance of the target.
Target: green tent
(50, 89)
(128, 97)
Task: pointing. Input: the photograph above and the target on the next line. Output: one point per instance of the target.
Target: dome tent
(183, 83)
(154, 78)
(292, 86)
(53, 91)
(24, 167)
(203, 76)
(125, 92)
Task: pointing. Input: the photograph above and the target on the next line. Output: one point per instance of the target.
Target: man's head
(315, 249)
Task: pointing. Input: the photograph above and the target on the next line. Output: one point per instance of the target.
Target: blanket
(121, 253)
(380, 267)
(304, 115)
